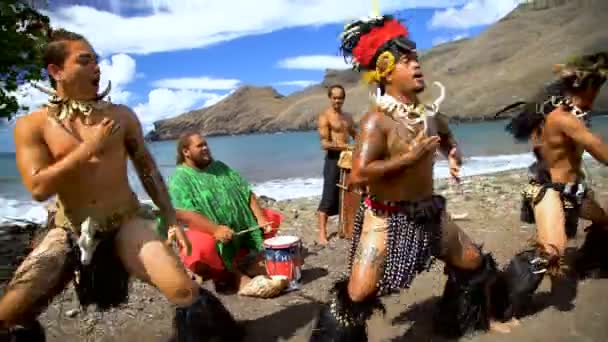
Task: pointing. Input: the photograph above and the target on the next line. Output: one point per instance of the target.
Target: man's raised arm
(41, 175)
(368, 158)
(575, 129)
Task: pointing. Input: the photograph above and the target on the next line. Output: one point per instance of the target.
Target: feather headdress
(365, 39)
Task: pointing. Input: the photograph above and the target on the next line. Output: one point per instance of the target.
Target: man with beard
(76, 148)
(402, 224)
(219, 208)
(334, 127)
(557, 193)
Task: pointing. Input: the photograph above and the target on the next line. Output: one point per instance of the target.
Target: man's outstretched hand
(223, 234)
(265, 225)
(176, 233)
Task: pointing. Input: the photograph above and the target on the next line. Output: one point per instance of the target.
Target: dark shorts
(572, 195)
(330, 199)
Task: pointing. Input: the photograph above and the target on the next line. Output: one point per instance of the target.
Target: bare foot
(514, 322)
(500, 327)
(322, 241)
(242, 280)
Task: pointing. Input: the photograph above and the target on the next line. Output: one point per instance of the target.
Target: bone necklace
(557, 101)
(410, 114)
(61, 108)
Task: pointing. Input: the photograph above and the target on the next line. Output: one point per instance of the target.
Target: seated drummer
(215, 203)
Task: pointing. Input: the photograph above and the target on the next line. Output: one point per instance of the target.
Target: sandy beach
(492, 204)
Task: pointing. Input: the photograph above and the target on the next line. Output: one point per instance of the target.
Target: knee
(470, 259)
(359, 292)
(556, 249)
(183, 294)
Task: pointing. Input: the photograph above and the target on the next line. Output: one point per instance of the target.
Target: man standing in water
(335, 127)
(76, 148)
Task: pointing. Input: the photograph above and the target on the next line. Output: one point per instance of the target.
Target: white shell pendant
(87, 241)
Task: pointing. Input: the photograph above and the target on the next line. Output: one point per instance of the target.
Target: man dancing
(401, 224)
(335, 127)
(76, 148)
(557, 193)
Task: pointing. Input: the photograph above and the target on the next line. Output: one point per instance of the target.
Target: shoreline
(272, 191)
(455, 120)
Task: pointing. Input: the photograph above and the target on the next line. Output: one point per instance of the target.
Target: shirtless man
(557, 194)
(335, 127)
(402, 223)
(76, 148)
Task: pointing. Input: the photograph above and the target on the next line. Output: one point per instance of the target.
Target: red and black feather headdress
(365, 39)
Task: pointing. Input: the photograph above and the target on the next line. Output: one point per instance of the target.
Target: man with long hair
(224, 218)
(557, 193)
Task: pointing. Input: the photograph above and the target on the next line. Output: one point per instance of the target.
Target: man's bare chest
(401, 137)
(62, 137)
(339, 124)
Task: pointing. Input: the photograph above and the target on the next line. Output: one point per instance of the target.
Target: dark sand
(493, 206)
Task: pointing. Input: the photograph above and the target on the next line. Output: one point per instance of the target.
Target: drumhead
(281, 241)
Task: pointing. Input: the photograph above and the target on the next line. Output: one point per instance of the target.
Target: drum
(349, 200)
(284, 258)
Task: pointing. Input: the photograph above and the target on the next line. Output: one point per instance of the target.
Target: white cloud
(120, 69)
(169, 98)
(444, 39)
(31, 97)
(314, 62)
(187, 24)
(201, 83)
(473, 13)
(298, 83)
(164, 103)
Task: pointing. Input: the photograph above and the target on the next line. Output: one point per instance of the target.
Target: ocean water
(283, 165)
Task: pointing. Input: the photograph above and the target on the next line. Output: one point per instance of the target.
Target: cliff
(509, 61)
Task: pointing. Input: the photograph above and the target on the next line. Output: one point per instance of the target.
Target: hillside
(510, 60)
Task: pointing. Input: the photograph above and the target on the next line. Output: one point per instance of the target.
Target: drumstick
(252, 229)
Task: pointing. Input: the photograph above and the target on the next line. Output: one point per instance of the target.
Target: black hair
(334, 86)
(56, 51)
(577, 75)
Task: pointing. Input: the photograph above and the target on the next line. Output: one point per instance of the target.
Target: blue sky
(165, 57)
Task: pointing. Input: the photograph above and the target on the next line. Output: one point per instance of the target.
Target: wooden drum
(349, 200)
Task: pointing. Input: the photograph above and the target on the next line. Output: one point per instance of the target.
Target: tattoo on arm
(148, 172)
(369, 256)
